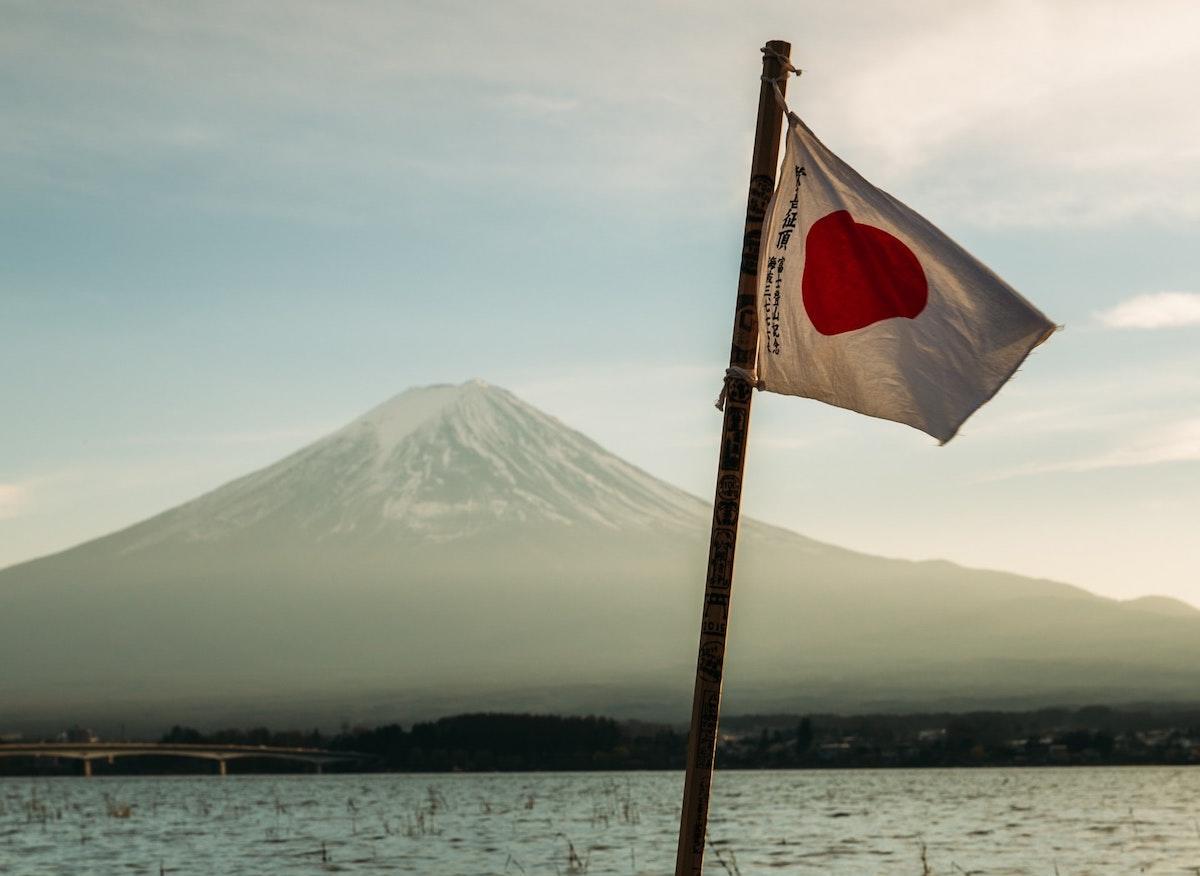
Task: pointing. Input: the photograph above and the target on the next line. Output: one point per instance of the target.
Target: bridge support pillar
(87, 768)
(222, 768)
(320, 768)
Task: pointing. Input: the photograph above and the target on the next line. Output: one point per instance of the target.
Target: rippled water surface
(1069, 821)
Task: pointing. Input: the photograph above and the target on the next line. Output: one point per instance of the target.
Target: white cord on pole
(731, 372)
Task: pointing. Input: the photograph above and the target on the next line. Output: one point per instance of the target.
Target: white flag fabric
(864, 304)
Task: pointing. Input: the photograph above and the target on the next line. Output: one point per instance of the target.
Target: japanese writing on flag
(864, 304)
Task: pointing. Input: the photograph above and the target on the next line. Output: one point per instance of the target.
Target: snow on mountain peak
(436, 463)
(399, 416)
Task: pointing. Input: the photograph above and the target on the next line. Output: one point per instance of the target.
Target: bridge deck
(89, 751)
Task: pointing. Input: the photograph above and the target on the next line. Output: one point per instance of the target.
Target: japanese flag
(866, 305)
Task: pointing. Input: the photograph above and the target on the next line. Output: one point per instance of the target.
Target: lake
(1119, 820)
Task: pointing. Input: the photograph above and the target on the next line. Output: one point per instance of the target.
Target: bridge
(221, 754)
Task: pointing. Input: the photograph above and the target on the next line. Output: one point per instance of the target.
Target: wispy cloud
(1115, 401)
(1041, 144)
(281, 437)
(537, 104)
(1154, 311)
(12, 498)
(1173, 442)
(1088, 93)
(1179, 442)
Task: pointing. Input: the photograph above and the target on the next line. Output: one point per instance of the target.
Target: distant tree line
(482, 742)
(479, 742)
(1092, 735)
(510, 742)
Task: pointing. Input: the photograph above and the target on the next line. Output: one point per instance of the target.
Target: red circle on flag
(856, 275)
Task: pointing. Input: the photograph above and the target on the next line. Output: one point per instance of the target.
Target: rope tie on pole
(731, 373)
(789, 69)
(786, 64)
(783, 60)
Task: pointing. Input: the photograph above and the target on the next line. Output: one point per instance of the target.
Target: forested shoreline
(483, 742)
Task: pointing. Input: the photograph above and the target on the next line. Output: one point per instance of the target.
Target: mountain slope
(441, 463)
(456, 548)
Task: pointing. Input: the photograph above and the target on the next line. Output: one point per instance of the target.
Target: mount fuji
(455, 548)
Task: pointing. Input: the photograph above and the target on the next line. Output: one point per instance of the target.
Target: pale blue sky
(227, 228)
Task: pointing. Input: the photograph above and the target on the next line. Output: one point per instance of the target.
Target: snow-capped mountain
(439, 463)
(455, 548)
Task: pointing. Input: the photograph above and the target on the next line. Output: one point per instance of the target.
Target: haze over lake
(456, 549)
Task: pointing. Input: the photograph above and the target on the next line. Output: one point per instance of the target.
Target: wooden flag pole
(706, 701)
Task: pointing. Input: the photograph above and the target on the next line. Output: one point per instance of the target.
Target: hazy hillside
(456, 548)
